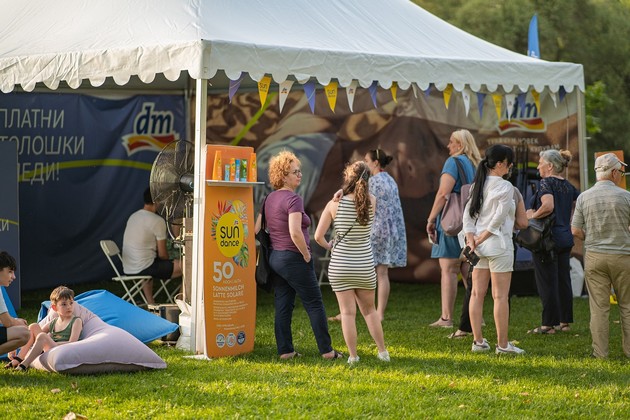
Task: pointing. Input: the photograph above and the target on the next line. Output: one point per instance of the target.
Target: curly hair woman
(291, 259)
(351, 269)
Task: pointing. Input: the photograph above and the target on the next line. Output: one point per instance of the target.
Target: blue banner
(84, 163)
(533, 49)
(9, 216)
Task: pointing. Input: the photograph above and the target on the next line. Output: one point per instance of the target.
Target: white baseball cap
(608, 161)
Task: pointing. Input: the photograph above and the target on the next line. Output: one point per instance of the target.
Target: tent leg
(197, 343)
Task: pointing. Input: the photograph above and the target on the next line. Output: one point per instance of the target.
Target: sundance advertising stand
(229, 244)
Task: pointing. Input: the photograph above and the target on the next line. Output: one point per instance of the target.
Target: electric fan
(171, 181)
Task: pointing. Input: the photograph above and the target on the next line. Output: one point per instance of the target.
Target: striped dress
(351, 263)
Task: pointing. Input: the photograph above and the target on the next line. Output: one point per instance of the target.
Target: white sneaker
(384, 356)
(510, 349)
(480, 347)
(353, 360)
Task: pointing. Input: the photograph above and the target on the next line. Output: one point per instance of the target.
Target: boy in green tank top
(64, 329)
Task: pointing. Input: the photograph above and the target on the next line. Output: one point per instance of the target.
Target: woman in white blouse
(488, 226)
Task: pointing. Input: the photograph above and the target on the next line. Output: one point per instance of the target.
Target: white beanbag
(103, 348)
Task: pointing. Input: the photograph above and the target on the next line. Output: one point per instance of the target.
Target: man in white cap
(602, 221)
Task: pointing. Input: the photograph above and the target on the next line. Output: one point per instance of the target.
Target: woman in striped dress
(351, 269)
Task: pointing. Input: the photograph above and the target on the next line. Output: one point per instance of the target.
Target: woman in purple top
(291, 258)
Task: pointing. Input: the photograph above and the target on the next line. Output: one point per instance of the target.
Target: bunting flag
(466, 98)
(331, 95)
(394, 90)
(498, 101)
(554, 98)
(415, 90)
(536, 97)
(447, 94)
(510, 98)
(350, 91)
(309, 90)
(263, 89)
(373, 89)
(234, 85)
(562, 93)
(481, 97)
(520, 99)
(533, 49)
(284, 88)
(427, 91)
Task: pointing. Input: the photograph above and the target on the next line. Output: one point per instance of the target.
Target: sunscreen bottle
(217, 169)
(252, 173)
(232, 169)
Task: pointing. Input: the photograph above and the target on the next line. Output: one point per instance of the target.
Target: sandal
(21, 368)
(542, 330)
(442, 323)
(459, 334)
(290, 356)
(564, 327)
(10, 365)
(336, 355)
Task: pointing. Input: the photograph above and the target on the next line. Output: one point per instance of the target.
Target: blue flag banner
(481, 97)
(533, 50)
(562, 93)
(83, 164)
(309, 91)
(373, 89)
(234, 85)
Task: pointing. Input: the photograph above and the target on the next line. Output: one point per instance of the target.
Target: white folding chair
(131, 284)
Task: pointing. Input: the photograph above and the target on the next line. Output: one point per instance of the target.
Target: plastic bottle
(252, 173)
(232, 169)
(217, 169)
(243, 174)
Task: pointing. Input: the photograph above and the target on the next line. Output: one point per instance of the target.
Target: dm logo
(229, 230)
(523, 117)
(152, 130)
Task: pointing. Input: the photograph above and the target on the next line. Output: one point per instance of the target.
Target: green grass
(430, 376)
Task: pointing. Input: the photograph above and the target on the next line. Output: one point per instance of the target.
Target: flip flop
(295, 355)
(336, 355)
(542, 330)
(459, 334)
(10, 365)
(563, 327)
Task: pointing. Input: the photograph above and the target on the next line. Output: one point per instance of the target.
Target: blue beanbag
(143, 325)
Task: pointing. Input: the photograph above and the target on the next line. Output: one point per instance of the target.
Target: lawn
(430, 376)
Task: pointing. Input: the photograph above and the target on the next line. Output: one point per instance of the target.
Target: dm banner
(84, 163)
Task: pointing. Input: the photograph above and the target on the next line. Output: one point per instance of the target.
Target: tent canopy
(394, 41)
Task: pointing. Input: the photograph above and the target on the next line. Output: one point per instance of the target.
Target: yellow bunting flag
(447, 94)
(498, 100)
(394, 90)
(331, 94)
(536, 97)
(263, 89)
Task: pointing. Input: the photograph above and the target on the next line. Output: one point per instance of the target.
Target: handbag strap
(462, 173)
(347, 231)
(263, 224)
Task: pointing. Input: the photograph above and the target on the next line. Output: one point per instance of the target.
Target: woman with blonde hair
(351, 269)
(461, 147)
(291, 258)
(555, 196)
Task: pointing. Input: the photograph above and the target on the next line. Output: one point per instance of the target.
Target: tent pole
(197, 344)
(581, 123)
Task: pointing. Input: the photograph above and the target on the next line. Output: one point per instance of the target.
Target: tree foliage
(593, 33)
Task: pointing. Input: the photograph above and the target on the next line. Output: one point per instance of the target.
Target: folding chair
(131, 284)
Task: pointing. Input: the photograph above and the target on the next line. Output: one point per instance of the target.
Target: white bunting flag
(466, 97)
(510, 98)
(284, 89)
(350, 91)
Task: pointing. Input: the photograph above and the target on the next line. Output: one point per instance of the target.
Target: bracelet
(431, 220)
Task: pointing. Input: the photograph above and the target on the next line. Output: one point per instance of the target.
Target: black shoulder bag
(264, 273)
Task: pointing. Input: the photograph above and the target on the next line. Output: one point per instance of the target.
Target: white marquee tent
(49, 43)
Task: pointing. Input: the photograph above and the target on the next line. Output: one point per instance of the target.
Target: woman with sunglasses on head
(291, 258)
(489, 219)
(555, 196)
(351, 268)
